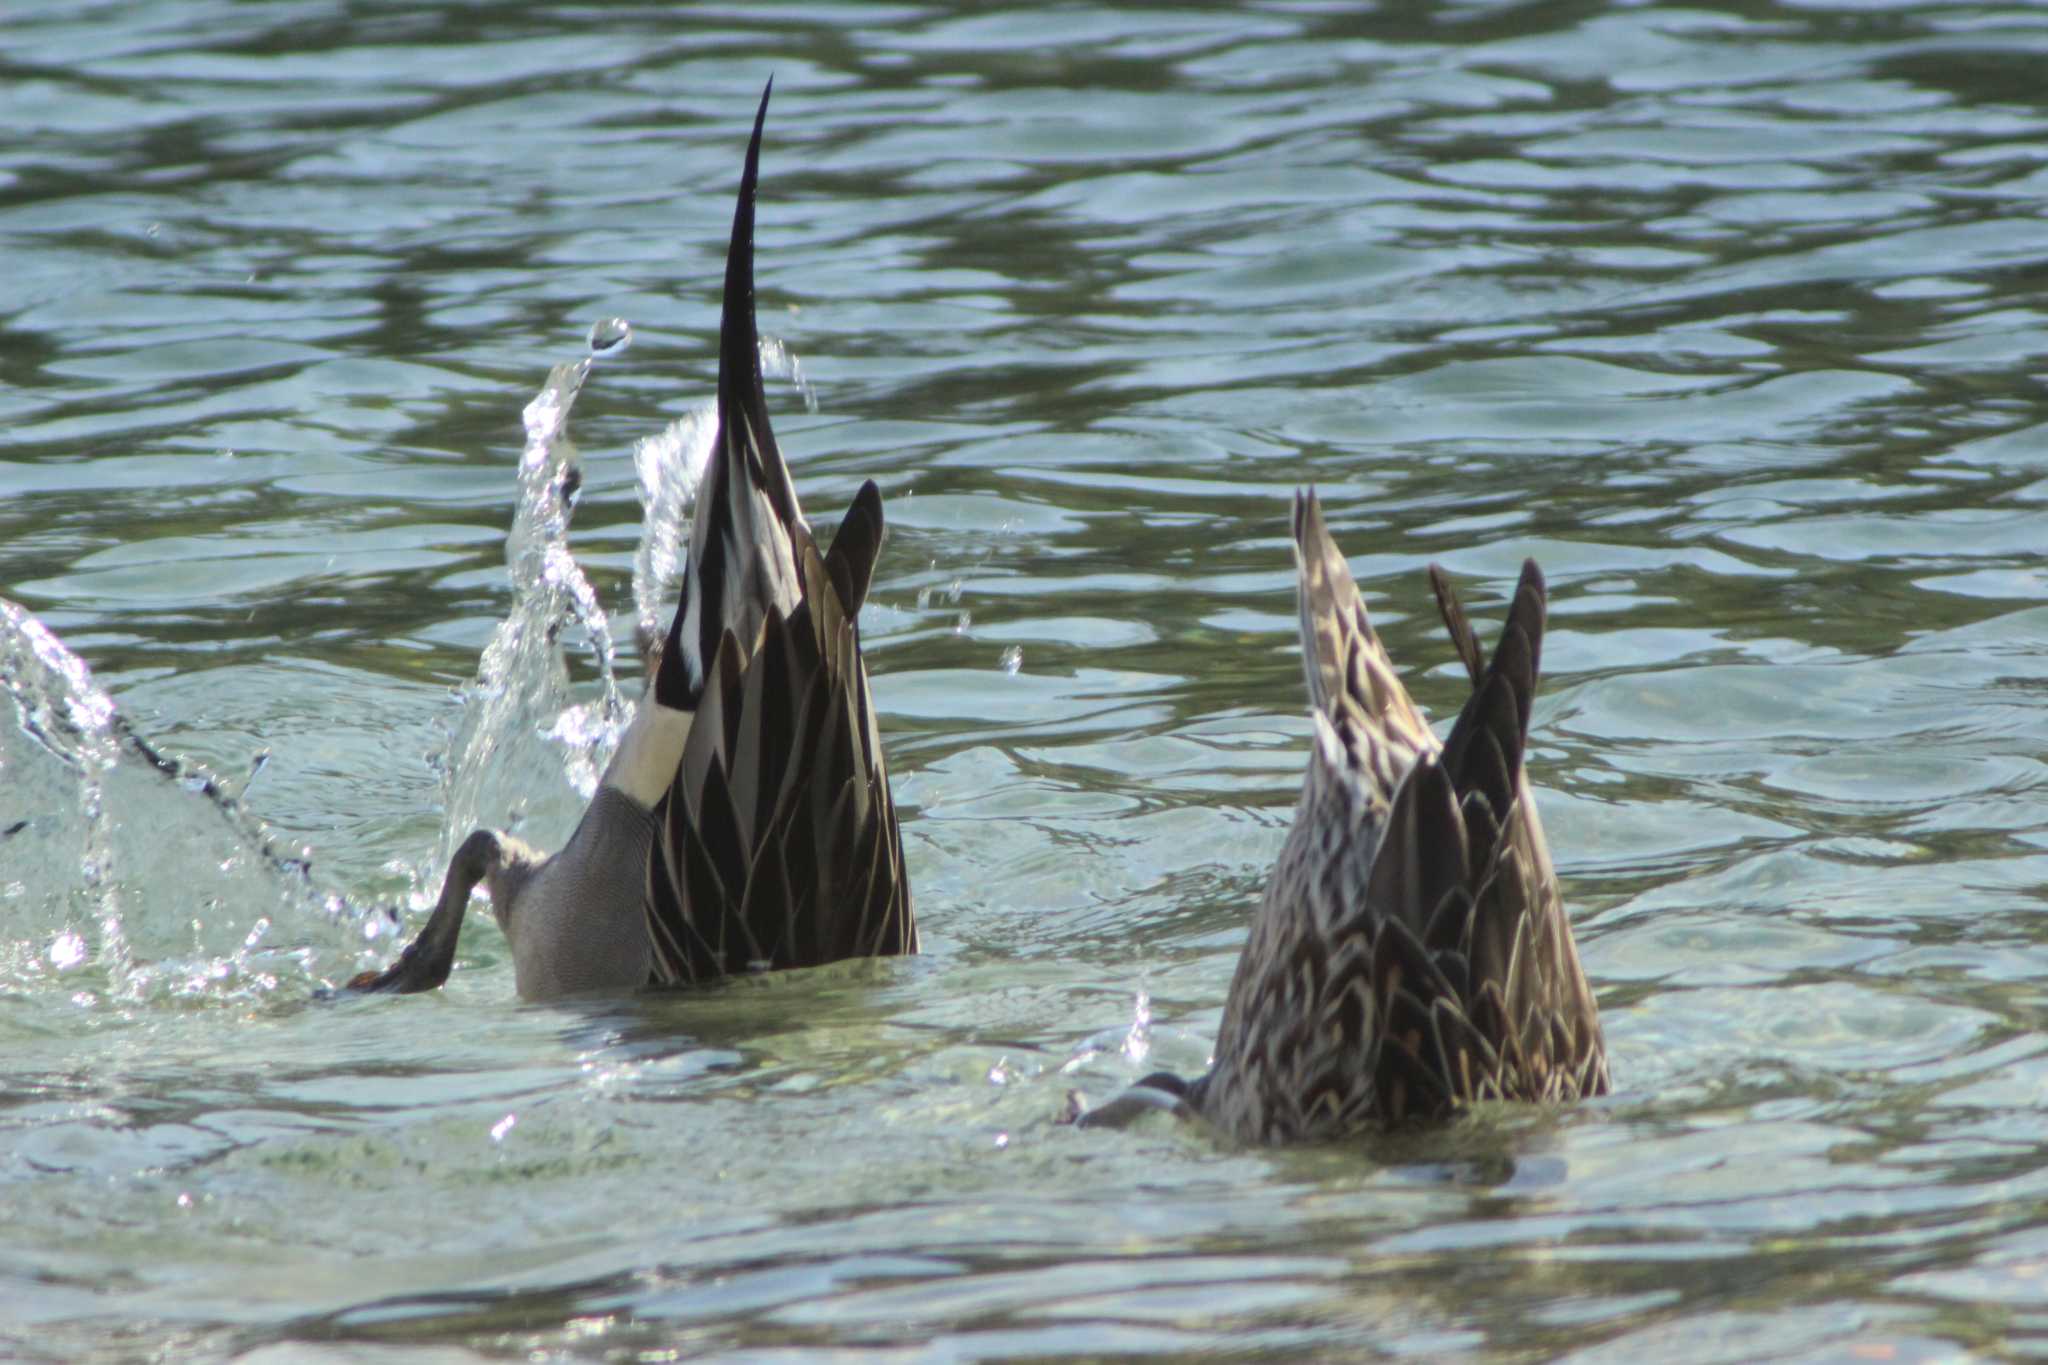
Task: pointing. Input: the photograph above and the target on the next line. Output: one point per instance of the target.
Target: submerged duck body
(1411, 954)
(746, 821)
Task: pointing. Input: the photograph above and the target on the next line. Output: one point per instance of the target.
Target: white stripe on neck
(649, 752)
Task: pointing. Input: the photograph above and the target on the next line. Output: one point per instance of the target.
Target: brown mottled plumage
(745, 822)
(1412, 953)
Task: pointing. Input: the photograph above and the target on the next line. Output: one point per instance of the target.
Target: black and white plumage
(1412, 953)
(746, 821)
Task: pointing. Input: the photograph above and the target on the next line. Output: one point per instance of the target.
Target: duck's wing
(777, 843)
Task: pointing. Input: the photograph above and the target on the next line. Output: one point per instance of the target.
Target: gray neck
(578, 921)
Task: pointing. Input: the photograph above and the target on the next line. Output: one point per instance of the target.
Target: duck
(1411, 956)
(745, 822)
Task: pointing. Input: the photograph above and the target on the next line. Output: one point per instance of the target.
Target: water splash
(779, 362)
(145, 877)
(136, 873)
(72, 719)
(1138, 1038)
(521, 732)
(1131, 1044)
(669, 465)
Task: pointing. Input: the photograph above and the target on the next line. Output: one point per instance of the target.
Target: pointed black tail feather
(1485, 745)
(1463, 638)
(736, 560)
(851, 560)
(742, 398)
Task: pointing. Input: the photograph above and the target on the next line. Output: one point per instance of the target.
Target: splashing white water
(144, 877)
(505, 766)
(669, 464)
(136, 873)
(63, 710)
(778, 362)
(521, 731)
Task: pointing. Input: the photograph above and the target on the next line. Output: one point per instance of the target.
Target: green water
(1734, 317)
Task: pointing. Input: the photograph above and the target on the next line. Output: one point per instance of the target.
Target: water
(1733, 317)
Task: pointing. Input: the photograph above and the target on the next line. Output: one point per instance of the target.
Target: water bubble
(1013, 659)
(610, 336)
(962, 622)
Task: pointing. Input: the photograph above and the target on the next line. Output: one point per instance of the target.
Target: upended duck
(1411, 955)
(745, 822)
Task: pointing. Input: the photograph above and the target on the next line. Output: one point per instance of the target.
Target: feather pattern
(778, 843)
(1412, 952)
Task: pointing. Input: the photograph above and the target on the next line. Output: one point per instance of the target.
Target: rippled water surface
(1733, 316)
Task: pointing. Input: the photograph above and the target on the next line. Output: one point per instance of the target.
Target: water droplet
(778, 363)
(962, 622)
(67, 950)
(1138, 1042)
(1013, 659)
(502, 1127)
(610, 336)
